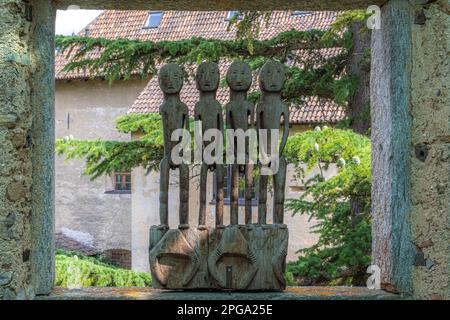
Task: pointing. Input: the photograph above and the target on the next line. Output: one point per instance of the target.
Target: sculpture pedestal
(236, 257)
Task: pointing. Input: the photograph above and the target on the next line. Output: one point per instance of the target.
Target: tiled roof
(114, 24)
(313, 110)
(177, 25)
(62, 241)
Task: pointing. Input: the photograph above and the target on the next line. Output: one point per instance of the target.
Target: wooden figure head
(272, 76)
(207, 76)
(170, 78)
(239, 76)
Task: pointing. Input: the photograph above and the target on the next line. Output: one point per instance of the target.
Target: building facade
(98, 212)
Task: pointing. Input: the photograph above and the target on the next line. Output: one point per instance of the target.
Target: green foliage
(343, 249)
(104, 157)
(76, 270)
(150, 125)
(344, 20)
(249, 26)
(321, 82)
(123, 57)
(319, 75)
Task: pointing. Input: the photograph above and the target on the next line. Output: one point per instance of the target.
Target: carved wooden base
(237, 257)
(178, 258)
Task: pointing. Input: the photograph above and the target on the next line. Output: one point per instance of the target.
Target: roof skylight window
(153, 20)
(301, 13)
(232, 14)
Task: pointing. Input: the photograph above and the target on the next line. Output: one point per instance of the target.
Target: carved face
(272, 76)
(207, 76)
(170, 78)
(239, 76)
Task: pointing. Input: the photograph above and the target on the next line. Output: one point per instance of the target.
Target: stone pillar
(392, 248)
(43, 137)
(26, 148)
(410, 148)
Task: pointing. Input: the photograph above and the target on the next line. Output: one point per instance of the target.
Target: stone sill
(118, 192)
(291, 293)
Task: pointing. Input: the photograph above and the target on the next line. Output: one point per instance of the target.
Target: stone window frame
(391, 120)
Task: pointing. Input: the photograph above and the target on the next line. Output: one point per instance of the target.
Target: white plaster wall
(80, 204)
(145, 212)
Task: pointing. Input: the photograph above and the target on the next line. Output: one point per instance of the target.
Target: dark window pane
(117, 181)
(127, 182)
(226, 183)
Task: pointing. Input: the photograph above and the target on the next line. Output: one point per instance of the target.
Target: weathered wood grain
(237, 257)
(178, 260)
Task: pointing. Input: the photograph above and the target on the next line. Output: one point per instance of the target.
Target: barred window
(227, 188)
(122, 181)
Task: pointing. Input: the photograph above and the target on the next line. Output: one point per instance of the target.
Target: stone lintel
(220, 5)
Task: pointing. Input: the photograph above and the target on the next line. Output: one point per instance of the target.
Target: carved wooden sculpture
(240, 115)
(174, 114)
(178, 257)
(248, 257)
(269, 113)
(235, 257)
(209, 111)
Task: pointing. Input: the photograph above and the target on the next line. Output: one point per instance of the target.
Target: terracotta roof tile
(313, 110)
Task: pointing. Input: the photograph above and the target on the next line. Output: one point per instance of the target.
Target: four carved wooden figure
(234, 257)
